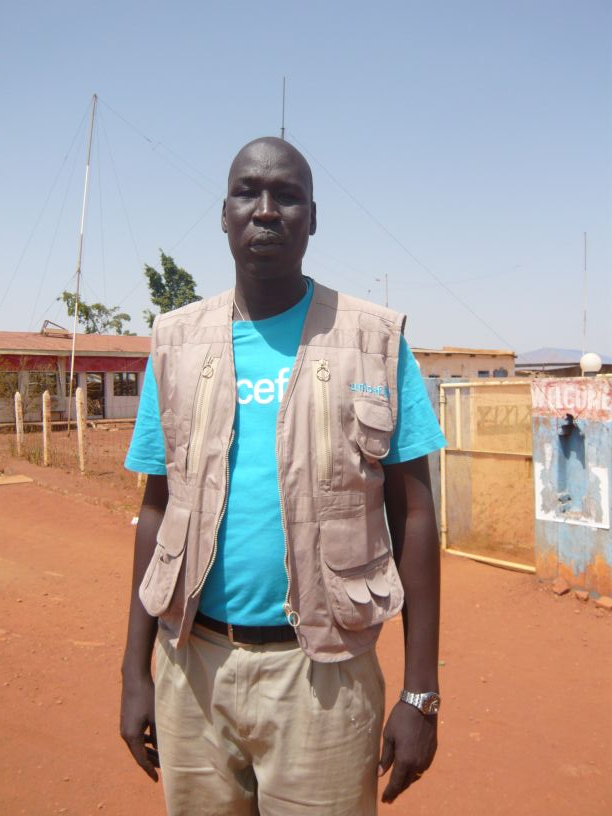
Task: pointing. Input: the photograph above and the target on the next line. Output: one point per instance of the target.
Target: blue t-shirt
(247, 583)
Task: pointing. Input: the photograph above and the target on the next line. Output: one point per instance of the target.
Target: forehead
(263, 161)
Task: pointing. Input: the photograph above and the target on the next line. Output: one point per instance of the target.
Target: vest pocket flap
(374, 414)
(378, 585)
(374, 428)
(172, 534)
(357, 589)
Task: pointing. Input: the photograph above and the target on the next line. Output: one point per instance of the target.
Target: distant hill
(553, 357)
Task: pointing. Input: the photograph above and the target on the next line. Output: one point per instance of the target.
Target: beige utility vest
(334, 424)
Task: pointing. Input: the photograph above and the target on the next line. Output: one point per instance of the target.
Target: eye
(246, 193)
(287, 198)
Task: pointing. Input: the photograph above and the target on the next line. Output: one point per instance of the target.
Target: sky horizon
(460, 149)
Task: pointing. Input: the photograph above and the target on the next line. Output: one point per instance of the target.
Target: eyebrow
(253, 180)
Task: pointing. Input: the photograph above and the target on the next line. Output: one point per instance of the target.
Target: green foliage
(96, 317)
(172, 288)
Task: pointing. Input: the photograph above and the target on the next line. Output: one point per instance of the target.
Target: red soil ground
(526, 724)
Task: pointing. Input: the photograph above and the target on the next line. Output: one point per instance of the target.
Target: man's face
(269, 213)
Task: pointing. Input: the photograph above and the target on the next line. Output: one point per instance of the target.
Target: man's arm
(137, 698)
(410, 737)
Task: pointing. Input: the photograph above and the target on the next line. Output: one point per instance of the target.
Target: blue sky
(471, 139)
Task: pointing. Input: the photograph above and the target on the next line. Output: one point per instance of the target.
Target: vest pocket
(361, 582)
(374, 428)
(159, 582)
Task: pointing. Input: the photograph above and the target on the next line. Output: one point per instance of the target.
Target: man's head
(269, 212)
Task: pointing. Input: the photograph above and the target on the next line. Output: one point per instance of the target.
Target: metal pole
(283, 117)
(495, 562)
(80, 256)
(584, 298)
(443, 511)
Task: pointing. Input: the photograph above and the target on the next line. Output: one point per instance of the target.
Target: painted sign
(584, 398)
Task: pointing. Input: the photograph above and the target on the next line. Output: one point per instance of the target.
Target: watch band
(427, 702)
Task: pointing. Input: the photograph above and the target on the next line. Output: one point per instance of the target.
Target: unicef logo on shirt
(263, 391)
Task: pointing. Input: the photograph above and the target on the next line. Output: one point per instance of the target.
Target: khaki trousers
(265, 731)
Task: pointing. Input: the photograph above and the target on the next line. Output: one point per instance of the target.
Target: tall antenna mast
(584, 297)
(283, 117)
(80, 255)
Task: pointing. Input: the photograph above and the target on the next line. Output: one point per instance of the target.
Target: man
(292, 418)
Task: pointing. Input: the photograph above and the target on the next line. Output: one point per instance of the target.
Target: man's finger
(151, 735)
(401, 777)
(386, 757)
(139, 752)
(153, 756)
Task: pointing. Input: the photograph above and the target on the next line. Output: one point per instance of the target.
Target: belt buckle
(231, 636)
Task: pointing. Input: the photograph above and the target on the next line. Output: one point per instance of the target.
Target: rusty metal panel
(488, 471)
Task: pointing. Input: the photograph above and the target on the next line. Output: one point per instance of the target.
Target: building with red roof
(109, 369)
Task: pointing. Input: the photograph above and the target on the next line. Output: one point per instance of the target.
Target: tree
(173, 288)
(96, 317)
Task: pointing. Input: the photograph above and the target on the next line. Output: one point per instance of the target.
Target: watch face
(431, 705)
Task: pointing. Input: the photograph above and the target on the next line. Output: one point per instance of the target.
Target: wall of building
(572, 481)
(465, 365)
(115, 407)
(120, 407)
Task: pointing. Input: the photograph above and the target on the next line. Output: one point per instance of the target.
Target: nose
(266, 209)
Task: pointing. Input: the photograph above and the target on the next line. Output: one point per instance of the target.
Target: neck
(258, 299)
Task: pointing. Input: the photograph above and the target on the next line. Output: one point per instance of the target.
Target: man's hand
(138, 722)
(138, 692)
(409, 743)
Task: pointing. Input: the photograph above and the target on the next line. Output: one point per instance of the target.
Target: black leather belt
(253, 635)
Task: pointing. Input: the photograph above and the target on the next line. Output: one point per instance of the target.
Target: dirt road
(526, 723)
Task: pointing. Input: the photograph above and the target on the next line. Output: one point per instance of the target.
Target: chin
(272, 271)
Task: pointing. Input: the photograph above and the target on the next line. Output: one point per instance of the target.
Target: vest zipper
(322, 376)
(292, 616)
(202, 580)
(201, 408)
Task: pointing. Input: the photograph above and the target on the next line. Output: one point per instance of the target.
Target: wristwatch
(428, 702)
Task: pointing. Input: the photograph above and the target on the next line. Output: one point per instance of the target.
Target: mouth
(264, 239)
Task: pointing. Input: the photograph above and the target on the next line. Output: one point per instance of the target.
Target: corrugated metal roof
(465, 351)
(99, 344)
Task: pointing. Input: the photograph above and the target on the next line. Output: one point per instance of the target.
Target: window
(432, 375)
(500, 372)
(484, 374)
(125, 384)
(41, 381)
(75, 383)
(8, 384)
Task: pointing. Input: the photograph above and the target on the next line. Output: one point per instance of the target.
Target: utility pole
(283, 116)
(80, 255)
(584, 296)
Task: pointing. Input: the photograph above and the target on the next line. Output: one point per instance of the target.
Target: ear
(224, 216)
(313, 218)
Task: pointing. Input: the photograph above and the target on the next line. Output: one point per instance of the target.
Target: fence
(487, 503)
(95, 449)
